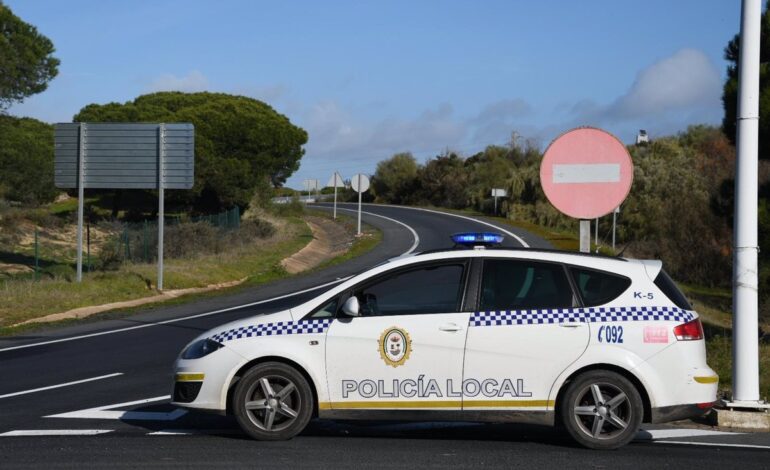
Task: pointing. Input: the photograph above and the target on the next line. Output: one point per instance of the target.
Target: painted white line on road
(507, 232)
(67, 384)
(173, 320)
(587, 173)
(106, 412)
(55, 432)
(414, 232)
(655, 434)
(713, 444)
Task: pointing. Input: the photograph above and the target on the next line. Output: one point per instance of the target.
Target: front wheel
(273, 402)
(601, 410)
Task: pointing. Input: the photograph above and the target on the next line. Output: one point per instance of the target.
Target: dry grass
(22, 300)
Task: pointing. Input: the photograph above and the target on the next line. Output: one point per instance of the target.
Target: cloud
(683, 81)
(499, 119)
(193, 81)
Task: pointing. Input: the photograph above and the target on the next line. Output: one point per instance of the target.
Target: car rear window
(667, 285)
(598, 287)
(523, 285)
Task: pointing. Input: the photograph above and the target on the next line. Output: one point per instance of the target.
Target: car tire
(601, 409)
(273, 402)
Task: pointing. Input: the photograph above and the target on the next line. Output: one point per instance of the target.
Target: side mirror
(351, 307)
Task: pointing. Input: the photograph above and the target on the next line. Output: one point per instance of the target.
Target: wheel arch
(646, 404)
(261, 360)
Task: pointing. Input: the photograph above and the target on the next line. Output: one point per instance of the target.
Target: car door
(525, 332)
(407, 345)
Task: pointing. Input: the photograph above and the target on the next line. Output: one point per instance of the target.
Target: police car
(595, 344)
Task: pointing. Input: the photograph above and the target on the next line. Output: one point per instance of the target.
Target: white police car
(593, 343)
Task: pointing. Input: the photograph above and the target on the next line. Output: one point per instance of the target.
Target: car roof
(590, 260)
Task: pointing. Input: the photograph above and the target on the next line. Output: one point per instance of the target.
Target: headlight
(200, 348)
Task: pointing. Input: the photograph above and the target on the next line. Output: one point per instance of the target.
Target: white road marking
(507, 232)
(654, 434)
(713, 444)
(587, 173)
(67, 384)
(414, 233)
(55, 432)
(173, 320)
(193, 432)
(105, 412)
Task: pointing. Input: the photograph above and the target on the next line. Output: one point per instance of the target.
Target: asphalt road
(109, 381)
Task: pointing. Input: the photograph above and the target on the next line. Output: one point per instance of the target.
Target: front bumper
(202, 383)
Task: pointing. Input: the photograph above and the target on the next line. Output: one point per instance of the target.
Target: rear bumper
(675, 413)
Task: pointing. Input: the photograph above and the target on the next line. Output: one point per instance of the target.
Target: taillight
(690, 331)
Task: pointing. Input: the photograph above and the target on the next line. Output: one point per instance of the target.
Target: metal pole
(495, 205)
(359, 204)
(335, 196)
(161, 209)
(585, 236)
(37, 256)
(745, 297)
(88, 246)
(614, 222)
(596, 235)
(81, 184)
(144, 240)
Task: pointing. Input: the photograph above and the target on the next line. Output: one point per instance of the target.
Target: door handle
(450, 327)
(571, 324)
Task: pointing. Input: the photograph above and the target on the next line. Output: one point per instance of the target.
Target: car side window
(427, 289)
(329, 310)
(598, 287)
(508, 284)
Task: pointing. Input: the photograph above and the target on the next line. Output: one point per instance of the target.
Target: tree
(242, 145)
(26, 160)
(26, 60)
(730, 91)
(395, 179)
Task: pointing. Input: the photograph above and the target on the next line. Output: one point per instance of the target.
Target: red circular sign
(586, 173)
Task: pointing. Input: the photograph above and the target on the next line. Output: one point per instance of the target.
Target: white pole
(81, 188)
(335, 196)
(161, 208)
(614, 224)
(359, 204)
(596, 235)
(745, 297)
(585, 236)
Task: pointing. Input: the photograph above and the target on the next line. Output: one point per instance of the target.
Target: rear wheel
(272, 402)
(601, 410)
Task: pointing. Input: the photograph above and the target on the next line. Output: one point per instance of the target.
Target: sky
(367, 79)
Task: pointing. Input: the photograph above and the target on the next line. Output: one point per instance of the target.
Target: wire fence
(107, 245)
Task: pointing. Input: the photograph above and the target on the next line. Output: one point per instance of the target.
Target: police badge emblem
(395, 346)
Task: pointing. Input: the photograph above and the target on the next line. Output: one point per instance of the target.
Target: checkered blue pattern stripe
(582, 315)
(274, 329)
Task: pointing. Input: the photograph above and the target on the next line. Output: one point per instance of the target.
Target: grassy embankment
(21, 298)
(712, 304)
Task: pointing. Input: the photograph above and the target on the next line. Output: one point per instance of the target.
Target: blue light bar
(477, 238)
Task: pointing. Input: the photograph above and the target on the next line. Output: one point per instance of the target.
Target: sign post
(360, 184)
(498, 193)
(586, 173)
(336, 182)
(614, 223)
(123, 156)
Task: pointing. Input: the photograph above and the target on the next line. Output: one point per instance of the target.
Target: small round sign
(360, 183)
(586, 173)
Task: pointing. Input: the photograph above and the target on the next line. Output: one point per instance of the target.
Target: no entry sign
(586, 173)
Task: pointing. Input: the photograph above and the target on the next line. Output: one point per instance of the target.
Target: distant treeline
(679, 209)
(243, 147)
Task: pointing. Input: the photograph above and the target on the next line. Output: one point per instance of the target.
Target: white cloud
(193, 81)
(686, 80)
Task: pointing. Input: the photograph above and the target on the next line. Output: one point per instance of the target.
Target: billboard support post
(161, 201)
(81, 187)
(585, 236)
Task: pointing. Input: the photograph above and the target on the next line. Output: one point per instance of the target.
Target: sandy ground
(329, 240)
